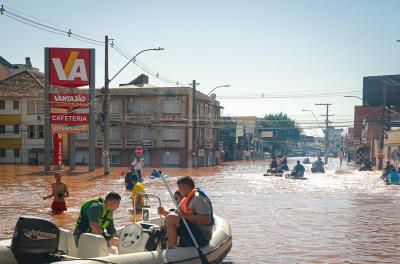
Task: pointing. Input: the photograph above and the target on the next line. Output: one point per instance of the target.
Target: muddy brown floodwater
(343, 216)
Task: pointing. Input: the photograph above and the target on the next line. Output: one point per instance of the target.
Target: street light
(219, 86)
(106, 138)
(306, 110)
(349, 96)
(133, 60)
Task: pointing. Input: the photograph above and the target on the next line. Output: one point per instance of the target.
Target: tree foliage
(284, 131)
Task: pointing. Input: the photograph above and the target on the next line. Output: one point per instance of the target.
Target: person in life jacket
(96, 217)
(196, 209)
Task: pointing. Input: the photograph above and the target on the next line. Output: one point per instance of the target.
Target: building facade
(159, 119)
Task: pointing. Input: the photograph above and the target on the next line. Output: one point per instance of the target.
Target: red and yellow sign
(58, 149)
(69, 67)
(69, 100)
(68, 118)
(70, 129)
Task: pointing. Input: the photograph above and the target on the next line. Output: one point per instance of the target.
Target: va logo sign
(69, 67)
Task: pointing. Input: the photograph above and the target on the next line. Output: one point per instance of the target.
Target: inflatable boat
(36, 240)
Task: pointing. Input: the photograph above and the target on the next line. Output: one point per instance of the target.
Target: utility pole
(326, 131)
(383, 126)
(106, 130)
(194, 125)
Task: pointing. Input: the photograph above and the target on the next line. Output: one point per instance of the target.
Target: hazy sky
(270, 47)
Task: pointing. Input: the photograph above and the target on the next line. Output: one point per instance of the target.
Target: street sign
(147, 142)
(201, 152)
(267, 134)
(139, 151)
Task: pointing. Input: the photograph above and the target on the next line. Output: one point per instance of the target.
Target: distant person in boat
(284, 164)
(136, 166)
(138, 192)
(178, 198)
(318, 166)
(129, 180)
(274, 163)
(367, 166)
(155, 173)
(59, 191)
(306, 161)
(388, 169)
(298, 170)
(196, 209)
(96, 217)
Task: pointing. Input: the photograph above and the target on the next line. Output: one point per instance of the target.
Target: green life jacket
(83, 220)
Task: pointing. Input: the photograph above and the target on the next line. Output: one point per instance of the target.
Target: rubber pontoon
(133, 239)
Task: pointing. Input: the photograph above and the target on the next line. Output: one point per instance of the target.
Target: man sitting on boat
(298, 170)
(196, 209)
(96, 217)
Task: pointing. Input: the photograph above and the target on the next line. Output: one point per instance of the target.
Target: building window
(142, 133)
(115, 107)
(115, 157)
(31, 110)
(39, 107)
(171, 158)
(139, 107)
(2, 129)
(31, 131)
(172, 107)
(35, 131)
(16, 105)
(16, 153)
(114, 133)
(40, 131)
(35, 107)
(16, 129)
(2, 105)
(170, 133)
(2, 153)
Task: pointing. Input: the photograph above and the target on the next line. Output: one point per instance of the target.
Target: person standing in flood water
(59, 193)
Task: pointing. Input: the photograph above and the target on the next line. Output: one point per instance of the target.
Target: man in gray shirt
(196, 209)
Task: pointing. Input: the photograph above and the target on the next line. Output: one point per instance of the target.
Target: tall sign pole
(106, 130)
(47, 133)
(92, 125)
(194, 125)
(66, 112)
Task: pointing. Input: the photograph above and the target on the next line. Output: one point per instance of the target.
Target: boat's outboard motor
(35, 240)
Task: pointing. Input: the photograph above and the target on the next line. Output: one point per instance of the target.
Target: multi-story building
(228, 137)
(21, 118)
(159, 119)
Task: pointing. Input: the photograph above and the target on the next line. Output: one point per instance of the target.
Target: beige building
(22, 117)
(159, 119)
(391, 150)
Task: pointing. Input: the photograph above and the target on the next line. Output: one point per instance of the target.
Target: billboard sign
(69, 67)
(69, 100)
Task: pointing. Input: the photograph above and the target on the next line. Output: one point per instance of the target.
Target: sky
(263, 49)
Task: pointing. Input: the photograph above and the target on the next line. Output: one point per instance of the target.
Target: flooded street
(343, 216)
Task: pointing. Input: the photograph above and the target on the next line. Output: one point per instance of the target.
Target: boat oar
(203, 258)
